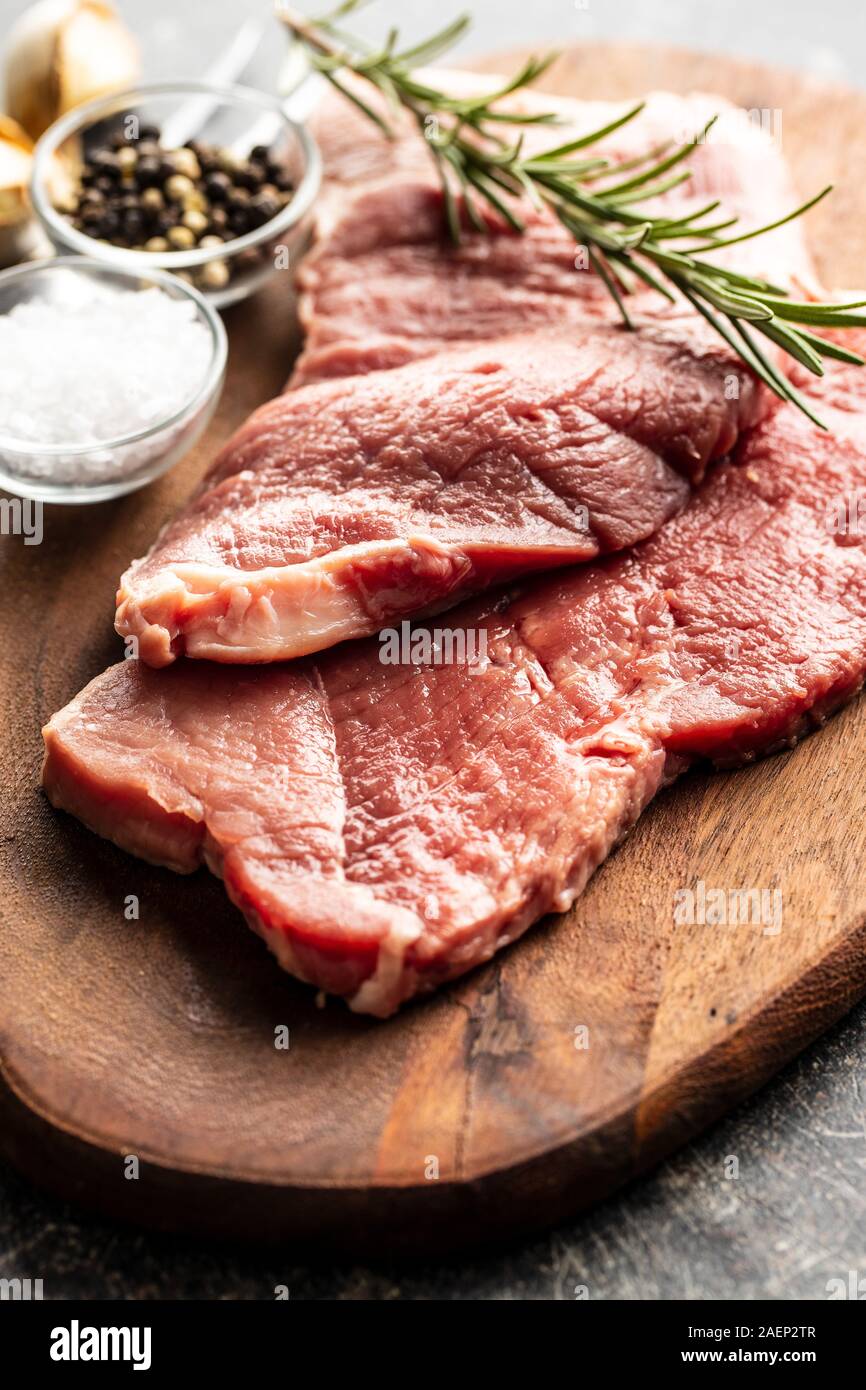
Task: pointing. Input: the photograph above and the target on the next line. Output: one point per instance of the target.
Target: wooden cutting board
(537, 1084)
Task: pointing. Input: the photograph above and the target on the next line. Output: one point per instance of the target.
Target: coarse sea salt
(90, 363)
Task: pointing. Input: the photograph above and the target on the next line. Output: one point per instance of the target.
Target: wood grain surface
(472, 1115)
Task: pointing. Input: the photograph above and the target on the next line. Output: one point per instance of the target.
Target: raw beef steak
(339, 508)
(386, 827)
(383, 285)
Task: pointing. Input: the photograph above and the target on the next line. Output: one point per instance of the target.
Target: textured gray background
(796, 1216)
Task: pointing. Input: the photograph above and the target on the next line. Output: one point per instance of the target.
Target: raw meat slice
(383, 285)
(386, 828)
(339, 508)
(738, 161)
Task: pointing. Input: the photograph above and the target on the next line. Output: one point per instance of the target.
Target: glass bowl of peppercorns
(213, 183)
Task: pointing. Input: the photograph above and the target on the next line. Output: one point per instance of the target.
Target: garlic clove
(20, 235)
(17, 232)
(61, 53)
(16, 161)
(96, 55)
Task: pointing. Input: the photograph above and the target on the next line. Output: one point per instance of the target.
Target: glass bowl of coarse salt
(108, 377)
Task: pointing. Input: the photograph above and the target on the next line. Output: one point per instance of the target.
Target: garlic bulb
(61, 53)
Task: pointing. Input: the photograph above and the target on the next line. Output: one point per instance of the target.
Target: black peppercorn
(208, 159)
(147, 174)
(133, 223)
(252, 177)
(217, 186)
(106, 163)
(205, 154)
(262, 208)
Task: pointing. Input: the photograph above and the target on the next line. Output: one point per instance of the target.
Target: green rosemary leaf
(532, 69)
(601, 270)
(361, 104)
(735, 305)
(452, 212)
(654, 283)
(690, 218)
(612, 243)
(783, 387)
(638, 161)
(564, 168)
(643, 195)
(762, 288)
(793, 342)
(679, 154)
(678, 229)
(487, 188)
(822, 315)
(595, 135)
(422, 53)
(571, 195)
(559, 152)
(770, 226)
(347, 7)
(529, 189)
(826, 348)
(515, 118)
(473, 212)
(620, 269)
(752, 355)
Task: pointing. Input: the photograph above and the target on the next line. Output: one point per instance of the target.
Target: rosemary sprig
(597, 202)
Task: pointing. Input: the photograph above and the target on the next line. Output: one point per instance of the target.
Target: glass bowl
(235, 118)
(77, 472)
